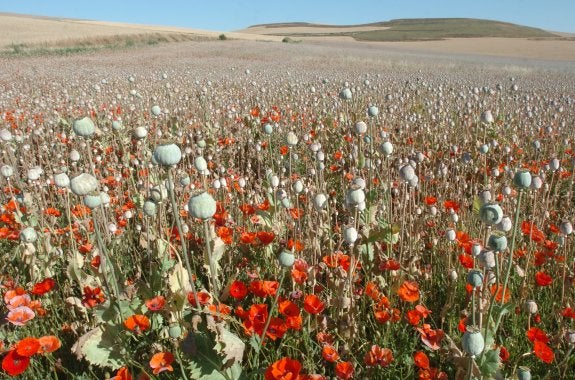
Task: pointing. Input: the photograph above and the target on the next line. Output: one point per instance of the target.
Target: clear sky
(228, 15)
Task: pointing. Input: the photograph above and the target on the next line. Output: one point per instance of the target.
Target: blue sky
(228, 15)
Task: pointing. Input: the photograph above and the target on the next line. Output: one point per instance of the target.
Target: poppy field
(246, 210)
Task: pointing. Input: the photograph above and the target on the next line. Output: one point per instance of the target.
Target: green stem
(512, 248)
(182, 236)
(212, 262)
(270, 315)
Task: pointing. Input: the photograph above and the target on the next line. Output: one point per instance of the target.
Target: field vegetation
(246, 210)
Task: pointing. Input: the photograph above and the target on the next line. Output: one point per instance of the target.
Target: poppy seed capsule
(150, 208)
(62, 180)
(523, 373)
(174, 330)
(536, 182)
(168, 154)
(373, 111)
(117, 125)
(475, 278)
(406, 172)
(156, 110)
(202, 206)
(450, 234)
(200, 164)
(530, 307)
(28, 235)
(505, 225)
(83, 184)
(319, 201)
(487, 117)
(497, 243)
(268, 129)
(522, 179)
(350, 235)
(473, 342)
(386, 148)
(92, 201)
(355, 196)
(360, 127)
(566, 227)
(140, 133)
(286, 258)
(84, 127)
(491, 213)
(6, 171)
(291, 139)
(345, 94)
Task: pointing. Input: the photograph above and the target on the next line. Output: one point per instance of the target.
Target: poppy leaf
(489, 363)
(232, 346)
(98, 348)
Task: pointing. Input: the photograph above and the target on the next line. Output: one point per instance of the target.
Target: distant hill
(417, 29)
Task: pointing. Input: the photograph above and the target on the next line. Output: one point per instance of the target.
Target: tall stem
(512, 248)
(176, 214)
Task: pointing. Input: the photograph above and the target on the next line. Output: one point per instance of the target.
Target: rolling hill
(406, 30)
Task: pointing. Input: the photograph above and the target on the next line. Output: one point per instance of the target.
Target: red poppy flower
(276, 329)
(203, 298)
(451, 204)
(27, 347)
(247, 237)
(156, 304)
(543, 351)
(543, 279)
(92, 297)
(266, 237)
(283, 369)
(48, 343)
(162, 361)
(312, 304)
(122, 374)
(501, 294)
(261, 288)
(137, 323)
(431, 338)
(344, 370)
(378, 356)
(409, 291)
(413, 317)
(329, 353)
(14, 364)
(535, 334)
(43, 287)
(238, 290)
(430, 200)
(247, 209)
(421, 360)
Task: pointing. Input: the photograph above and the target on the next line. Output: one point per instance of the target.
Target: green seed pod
(83, 184)
(523, 373)
(84, 127)
(522, 179)
(491, 213)
(473, 342)
(28, 235)
(497, 243)
(150, 208)
(92, 201)
(286, 258)
(475, 278)
(175, 330)
(202, 206)
(168, 154)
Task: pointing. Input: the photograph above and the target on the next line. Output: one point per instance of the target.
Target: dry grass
(19, 29)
